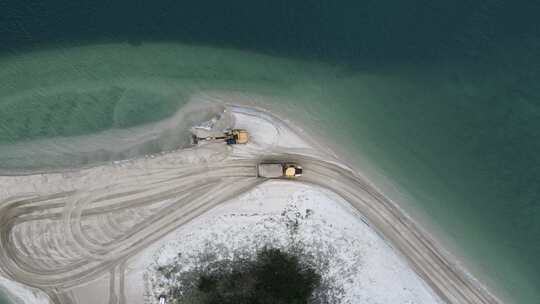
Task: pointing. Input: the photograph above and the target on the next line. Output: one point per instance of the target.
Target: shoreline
(383, 184)
(400, 214)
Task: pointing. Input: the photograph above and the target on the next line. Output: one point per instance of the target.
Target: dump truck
(279, 170)
(230, 137)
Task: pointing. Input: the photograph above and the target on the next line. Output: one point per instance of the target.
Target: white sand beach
(94, 235)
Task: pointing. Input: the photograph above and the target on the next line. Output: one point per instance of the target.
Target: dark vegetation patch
(292, 273)
(273, 276)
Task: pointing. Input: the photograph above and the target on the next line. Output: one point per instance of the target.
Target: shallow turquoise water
(464, 157)
(3, 299)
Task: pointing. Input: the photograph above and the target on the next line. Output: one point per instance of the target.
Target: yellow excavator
(230, 137)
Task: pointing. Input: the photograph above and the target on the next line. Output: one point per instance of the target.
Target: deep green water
(3, 298)
(459, 144)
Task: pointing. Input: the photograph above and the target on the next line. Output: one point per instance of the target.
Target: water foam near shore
(77, 107)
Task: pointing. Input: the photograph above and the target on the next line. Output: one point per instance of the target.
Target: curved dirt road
(60, 241)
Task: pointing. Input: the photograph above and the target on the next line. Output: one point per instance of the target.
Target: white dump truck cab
(279, 170)
(162, 300)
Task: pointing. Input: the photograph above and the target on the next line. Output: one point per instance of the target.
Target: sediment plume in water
(68, 152)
